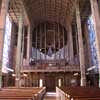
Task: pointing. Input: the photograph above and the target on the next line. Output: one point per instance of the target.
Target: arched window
(60, 82)
(92, 39)
(41, 83)
(6, 47)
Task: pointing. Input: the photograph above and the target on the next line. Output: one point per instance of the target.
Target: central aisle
(50, 96)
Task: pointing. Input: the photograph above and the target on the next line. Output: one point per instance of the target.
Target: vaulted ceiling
(48, 10)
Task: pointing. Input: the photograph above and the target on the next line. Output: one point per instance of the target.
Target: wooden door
(50, 83)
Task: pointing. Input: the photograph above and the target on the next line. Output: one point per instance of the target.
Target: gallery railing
(51, 66)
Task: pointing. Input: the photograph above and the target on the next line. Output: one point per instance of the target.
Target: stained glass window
(6, 48)
(92, 39)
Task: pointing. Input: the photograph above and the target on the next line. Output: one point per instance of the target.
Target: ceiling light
(13, 75)
(75, 74)
(25, 75)
(17, 79)
(50, 64)
(91, 68)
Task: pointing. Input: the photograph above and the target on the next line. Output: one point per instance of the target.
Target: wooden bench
(22, 93)
(78, 93)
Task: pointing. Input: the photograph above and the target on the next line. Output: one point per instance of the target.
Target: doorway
(50, 83)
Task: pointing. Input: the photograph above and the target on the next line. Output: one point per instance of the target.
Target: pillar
(70, 40)
(4, 9)
(71, 53)
(22, 54)
(81, 49)
(28, 43)
(19, 44)
(96, 18)
(76, 37)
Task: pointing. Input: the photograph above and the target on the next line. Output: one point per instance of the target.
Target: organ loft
(49, 46)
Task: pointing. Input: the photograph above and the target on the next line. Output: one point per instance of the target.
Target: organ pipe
(40, 42)
(59, 43)
(54, 41)
(36, 43)
(64, 43)
(45, 39)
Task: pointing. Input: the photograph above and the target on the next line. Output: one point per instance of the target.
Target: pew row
(78, 93)
(22, 93)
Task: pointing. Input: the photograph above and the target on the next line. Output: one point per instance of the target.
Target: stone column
(76, 38)
(19, 44)
(70, 42)
(22, 53)
(96, 18)
(4, 9)
(28, 43)
(81, 49)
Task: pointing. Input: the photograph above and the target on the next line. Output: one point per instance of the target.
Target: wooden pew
(22, 93)
(78, 93)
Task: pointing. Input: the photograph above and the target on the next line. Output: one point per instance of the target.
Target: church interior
(49, 50)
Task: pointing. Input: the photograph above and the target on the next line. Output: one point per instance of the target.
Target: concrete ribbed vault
(39, 11)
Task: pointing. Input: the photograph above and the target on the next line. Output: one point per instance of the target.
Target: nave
(49, 49)
(50, 96)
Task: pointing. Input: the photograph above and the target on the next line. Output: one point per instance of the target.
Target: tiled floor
(50, 96)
